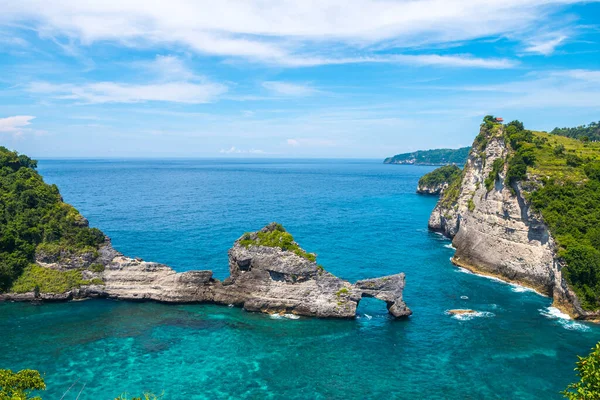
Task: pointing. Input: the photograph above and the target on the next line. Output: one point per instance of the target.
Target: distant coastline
(431, 157)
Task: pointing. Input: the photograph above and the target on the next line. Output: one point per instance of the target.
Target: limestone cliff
(494, 229)
(263, 278)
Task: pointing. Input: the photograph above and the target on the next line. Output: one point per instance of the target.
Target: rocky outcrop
(262, 278)
(435, 190)
(495, 231)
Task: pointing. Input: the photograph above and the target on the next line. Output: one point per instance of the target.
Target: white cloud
(293, 142)
(235, 150)
(114, 92)
(289, 32)
(289, 89)
(547, 46)
(169, 68)
(16, 124)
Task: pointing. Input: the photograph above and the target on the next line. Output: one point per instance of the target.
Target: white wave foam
(463, 270)
(563, 319)
(464, 297)
(367, 316)
(521, 289)
(287, 316)
(470, 316)
(554, 313)
(449, 246)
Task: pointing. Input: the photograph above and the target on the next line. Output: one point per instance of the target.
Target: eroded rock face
(434, 190)
(496, 233)
(269, 279)
(264, 279)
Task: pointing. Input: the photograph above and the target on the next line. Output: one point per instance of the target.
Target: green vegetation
(342, 291)
(19, 385)
(276, 237)
(584, 133)
(32, 213)
(49, 280)
(493, 176)
(452, 192)
(588, 370)
(431, 157)
(471, 205)
(440, 176)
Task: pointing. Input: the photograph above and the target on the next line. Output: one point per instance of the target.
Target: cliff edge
(489, 217)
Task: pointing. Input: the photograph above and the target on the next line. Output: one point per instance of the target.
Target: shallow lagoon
(362, 218)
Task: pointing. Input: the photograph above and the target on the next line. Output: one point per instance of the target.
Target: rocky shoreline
(266, 279)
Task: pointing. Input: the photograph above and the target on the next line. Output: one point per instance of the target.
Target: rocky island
(59, 258)
(525, 209)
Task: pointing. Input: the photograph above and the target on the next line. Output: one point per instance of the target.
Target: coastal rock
(273, 280)
(388, 289)
(496, 233)
(434, 190)
(461, 312)
(262, 278)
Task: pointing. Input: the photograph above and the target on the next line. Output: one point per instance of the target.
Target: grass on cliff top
(551, 162)
(277, 238)
(50, 280)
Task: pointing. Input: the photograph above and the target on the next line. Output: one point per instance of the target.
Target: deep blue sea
(362, 218)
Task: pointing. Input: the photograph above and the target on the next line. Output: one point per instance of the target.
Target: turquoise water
(362, 218)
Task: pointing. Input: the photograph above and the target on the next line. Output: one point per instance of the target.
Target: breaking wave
(563, 319)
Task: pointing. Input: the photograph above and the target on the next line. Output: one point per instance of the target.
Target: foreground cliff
(493, 226)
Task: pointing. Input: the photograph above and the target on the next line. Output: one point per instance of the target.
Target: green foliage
(497, 166)
(33, 213)
(588, 370)
(452, 192)
(47, 280)
(278, 237)
(471, 205)
(573, 161)
(572, 212)
(19, 385)
(440, 176)
(523, 151)
(342, 291)
(432, 157)
(592, 170)
(591, 132)
(97, 267)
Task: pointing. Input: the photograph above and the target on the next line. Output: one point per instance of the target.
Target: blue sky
(262, 78)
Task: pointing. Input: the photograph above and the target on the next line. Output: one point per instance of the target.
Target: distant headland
(431, 157)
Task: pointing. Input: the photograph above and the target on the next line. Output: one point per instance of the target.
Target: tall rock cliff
(494, 229)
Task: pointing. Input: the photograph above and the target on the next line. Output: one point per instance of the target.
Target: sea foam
(563, 319)
(470, 316)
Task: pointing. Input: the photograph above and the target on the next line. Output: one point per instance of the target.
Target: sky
(304, 78)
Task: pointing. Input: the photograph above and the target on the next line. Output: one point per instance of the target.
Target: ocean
(362, 218)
